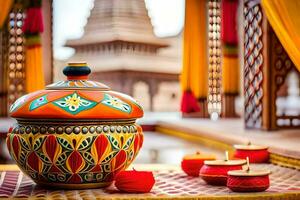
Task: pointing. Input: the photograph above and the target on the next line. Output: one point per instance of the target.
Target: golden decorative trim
(77, 64)
(284, 161)
(196, 138)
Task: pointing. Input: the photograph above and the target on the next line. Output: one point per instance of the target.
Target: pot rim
(249, 147)
(74, 121)
(252, 173)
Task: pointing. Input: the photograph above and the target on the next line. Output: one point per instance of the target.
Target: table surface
(171, 183)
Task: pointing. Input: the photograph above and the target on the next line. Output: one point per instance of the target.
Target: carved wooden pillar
(228, 106)
(3, 71)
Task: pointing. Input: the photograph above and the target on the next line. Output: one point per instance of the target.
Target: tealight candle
(214, 172)
(134, 181)
(248, 180)
(256, 153)
(192, 163)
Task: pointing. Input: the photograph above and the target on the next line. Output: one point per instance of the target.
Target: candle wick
(248, 165)
(226, 156)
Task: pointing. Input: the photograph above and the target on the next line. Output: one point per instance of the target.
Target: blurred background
(149, 52)
(185, 61)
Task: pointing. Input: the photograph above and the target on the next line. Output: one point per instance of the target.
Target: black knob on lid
(78, 70)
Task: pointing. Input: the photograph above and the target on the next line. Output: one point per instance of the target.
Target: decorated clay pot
(214, 172)
(248, 180)
(76, 133)
(191, 164)
(256, 153)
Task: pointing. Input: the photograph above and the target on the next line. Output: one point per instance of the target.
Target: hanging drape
(284, 17)
(33, 26)
(195, 67)
(5, 6)
(229, 38)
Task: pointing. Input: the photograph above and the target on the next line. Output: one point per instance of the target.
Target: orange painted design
(76, 99)
(100, 111)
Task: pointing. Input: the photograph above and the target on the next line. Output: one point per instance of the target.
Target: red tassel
(229, 22)
(134, 181)
(33, 22)
(189, 103)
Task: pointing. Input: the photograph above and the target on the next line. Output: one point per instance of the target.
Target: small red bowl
(248, 181)
(215, 172)
(191, 164)
(256, 154)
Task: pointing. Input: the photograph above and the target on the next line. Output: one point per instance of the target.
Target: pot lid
(249, 172)
(249, 146)
(225, 162)
(76, 98)
(199, 156)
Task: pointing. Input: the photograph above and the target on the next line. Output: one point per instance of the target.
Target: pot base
(79, 186)
(248, 189)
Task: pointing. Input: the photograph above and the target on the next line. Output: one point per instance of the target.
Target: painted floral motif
(20, 101)
(72, 159)
(38, 102)
(74, 103)
(116, 103)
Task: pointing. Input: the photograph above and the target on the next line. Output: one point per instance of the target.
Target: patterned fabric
(170, 184)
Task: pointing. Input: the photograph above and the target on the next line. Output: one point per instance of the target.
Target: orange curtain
(33, 26)
(195, 68)
(5, 6)
(284, 17)
(229, 37)
(34, 69)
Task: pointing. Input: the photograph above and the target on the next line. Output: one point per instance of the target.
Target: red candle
(191, 164)
(256, 153)
(248, 180)
(214, 172)
(134, 181)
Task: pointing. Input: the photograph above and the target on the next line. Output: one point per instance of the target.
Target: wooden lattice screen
(266, 66)
(253, 73)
